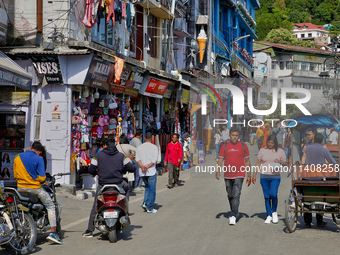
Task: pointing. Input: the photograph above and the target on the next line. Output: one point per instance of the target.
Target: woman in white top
(129, 151)
(218, 140)
(270, 159)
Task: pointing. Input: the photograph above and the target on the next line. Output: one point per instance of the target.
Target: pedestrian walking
(266, 131)
(136, 142)
(259, 137)
(333, 137)
(173, 159)
(218, 141)
(225, 133)
(279, 131)
(288, 143)
(270, 159)
(235, 155)
(146, 157)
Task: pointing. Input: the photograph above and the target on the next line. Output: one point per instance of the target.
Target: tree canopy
(275, 14)
(284, 36)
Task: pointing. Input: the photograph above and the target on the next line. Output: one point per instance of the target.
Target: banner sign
(100, 74)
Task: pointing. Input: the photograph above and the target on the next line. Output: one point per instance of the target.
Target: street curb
(86, 195)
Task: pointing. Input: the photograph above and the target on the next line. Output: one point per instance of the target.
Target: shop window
(282, 65)
(304, 66)
(152, 32)
(297, 65)
(274, 64)
(313, 67)
(289, 65)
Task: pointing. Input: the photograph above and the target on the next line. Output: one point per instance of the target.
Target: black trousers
(308, 218)
(91, 226)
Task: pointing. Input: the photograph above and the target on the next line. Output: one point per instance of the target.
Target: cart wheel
(291, 214)
(336, 218)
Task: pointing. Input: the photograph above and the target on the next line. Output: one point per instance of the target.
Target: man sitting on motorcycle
(29, 171)
(110, 165)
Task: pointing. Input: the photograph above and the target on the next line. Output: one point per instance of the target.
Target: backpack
(226, 144)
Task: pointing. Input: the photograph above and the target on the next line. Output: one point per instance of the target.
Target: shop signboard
(194, 97)
(156, 87)
(100, 73)
(49, 67)
(185, 96)
(133, 83)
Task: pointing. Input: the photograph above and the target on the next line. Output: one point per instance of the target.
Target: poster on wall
(7, 159)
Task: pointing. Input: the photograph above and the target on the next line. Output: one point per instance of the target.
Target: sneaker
(232, 220)
(268, 220)
(53, 237)
(275, 218)
(137, 189)
(152, 211)
(87, 234)
(144, 207)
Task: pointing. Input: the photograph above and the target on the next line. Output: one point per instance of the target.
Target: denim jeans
(138, 180)
(233, 187)
(287, 151)
(217, 148)
(150, 190)
(270, 185)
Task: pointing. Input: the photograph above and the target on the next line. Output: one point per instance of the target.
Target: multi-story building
(278, 65)
(309, 31)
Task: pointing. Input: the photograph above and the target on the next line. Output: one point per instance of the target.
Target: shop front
(15, 102)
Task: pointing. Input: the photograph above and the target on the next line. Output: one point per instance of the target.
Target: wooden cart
(315, 189)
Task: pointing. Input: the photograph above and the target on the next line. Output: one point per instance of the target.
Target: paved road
(193, 219)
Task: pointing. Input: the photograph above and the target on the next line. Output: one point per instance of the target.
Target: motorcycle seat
(110, 193)
(34, 199)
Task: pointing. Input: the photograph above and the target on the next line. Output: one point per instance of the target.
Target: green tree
(334, 31)
(322, 13)
(281, 36)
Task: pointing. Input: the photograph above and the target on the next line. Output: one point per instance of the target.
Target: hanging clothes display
(123, 10)
(118, 11)
(111, 13)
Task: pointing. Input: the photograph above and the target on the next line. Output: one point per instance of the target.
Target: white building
(309, 31)
(278, 65)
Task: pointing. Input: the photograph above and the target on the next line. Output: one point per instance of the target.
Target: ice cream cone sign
(202, 42)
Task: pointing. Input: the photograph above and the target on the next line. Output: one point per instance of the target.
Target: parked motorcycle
(111, 211)
(36, 207)
(18, 232)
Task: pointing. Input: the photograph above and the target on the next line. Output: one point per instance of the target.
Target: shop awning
(12, 74)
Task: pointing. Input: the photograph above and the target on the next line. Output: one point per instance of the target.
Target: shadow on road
(228, 214)
(125, 235)
(262, 215)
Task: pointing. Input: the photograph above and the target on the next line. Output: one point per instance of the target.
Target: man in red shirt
(236, 164)
(173, 156)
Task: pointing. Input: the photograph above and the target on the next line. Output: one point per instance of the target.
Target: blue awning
(314, 121)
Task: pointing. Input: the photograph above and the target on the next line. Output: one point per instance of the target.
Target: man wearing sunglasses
(29, 171)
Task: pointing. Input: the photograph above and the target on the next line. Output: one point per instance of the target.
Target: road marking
(135, 200)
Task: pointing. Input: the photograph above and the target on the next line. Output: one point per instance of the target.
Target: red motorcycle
(112, 211)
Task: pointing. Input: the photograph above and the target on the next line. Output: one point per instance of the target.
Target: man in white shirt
(333, 137)
(225, 133)
(146, 157)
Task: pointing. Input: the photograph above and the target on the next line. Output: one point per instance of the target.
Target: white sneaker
(268, 220)
(232, 220)
(152, 211)
(275, 218)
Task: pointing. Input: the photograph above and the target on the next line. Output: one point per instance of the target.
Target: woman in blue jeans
(270, 159)
(218, 141)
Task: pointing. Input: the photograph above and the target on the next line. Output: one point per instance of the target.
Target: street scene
(171, 126)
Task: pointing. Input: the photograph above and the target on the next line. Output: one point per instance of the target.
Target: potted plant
(126, 50)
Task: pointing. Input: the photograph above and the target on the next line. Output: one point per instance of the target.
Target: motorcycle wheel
(23, 244)
(59, 230)
(112, 235)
